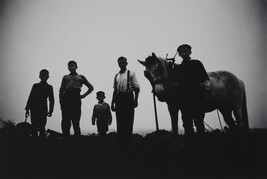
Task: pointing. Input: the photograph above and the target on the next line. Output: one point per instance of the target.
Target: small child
(101, 114)
(37, 104)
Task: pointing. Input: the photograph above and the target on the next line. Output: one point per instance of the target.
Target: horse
(226, 93)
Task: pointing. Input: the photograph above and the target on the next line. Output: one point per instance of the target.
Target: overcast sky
(36, 34)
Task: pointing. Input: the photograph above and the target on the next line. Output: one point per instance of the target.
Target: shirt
(102, 112)
(39, 94)
(120, 82)
(73, 82)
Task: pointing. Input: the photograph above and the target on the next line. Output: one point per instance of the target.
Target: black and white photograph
(133, 89)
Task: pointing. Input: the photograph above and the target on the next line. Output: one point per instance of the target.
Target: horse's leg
(173, 110)
(227, 115)
(239, 119)
(199, 123)
(242, 126)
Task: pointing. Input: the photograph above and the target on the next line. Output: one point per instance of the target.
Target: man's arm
(204, 77)
(113, 107)
(51, 102)
(136, 89)
(61, 90)
(109, 115)
(136, 95)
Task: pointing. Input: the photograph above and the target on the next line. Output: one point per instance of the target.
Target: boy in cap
(194, 80)
(37, 104)
(101, 114)
(70, 99)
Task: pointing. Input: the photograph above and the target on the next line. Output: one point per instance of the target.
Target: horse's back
(226, 88)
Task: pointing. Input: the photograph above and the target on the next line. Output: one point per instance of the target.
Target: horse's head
(156, 72)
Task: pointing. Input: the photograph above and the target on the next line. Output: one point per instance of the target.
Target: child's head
(100, 95)
(44, 75)
(72, 66)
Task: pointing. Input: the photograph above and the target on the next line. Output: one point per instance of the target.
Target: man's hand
(135, 103)
(113, 107)
(27, 113)
(93, 123)
(82, 96)
(49, 114)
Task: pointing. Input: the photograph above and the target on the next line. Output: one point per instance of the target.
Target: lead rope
(171, 59)
(219, 120)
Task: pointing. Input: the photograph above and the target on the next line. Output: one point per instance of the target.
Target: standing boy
(70, 99)
(37, 104)
(124, 100)
(101, 114)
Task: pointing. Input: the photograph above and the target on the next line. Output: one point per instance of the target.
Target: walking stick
(154, 98)
(155, 109)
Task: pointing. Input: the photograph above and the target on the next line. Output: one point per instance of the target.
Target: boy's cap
(184, 46)
(100, 94)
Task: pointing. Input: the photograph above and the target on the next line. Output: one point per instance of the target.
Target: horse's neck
(173, 72)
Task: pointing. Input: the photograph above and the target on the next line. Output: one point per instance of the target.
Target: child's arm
(29, 102)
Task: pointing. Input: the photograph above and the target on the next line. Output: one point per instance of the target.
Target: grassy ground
(218, 155)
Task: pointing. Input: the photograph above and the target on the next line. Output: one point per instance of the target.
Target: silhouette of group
(124, 99)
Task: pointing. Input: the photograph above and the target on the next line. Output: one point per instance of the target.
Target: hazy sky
(36, 34)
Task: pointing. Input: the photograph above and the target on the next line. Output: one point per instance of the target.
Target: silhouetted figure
(101, 114)
(124, 100)
(193, 81)
(70, 99)
(37, 104)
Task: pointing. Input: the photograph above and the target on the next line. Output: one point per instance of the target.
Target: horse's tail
(245, 112)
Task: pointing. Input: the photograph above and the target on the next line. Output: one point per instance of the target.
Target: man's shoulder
(49, 86)
(131, 72)
(196, 62)
(82, 77)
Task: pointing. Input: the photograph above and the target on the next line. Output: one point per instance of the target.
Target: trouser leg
(76, 126)
(34, 127)
(65, 124)
(199, 123)
(125, 119)
(42, 125)
(71, 113)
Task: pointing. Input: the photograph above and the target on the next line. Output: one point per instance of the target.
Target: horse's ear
(153, 54)
(142, 62)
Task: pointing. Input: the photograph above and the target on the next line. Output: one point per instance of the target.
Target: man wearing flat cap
(193, 81)
(124, 101)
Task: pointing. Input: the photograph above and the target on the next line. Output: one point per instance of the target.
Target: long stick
(156, 114)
